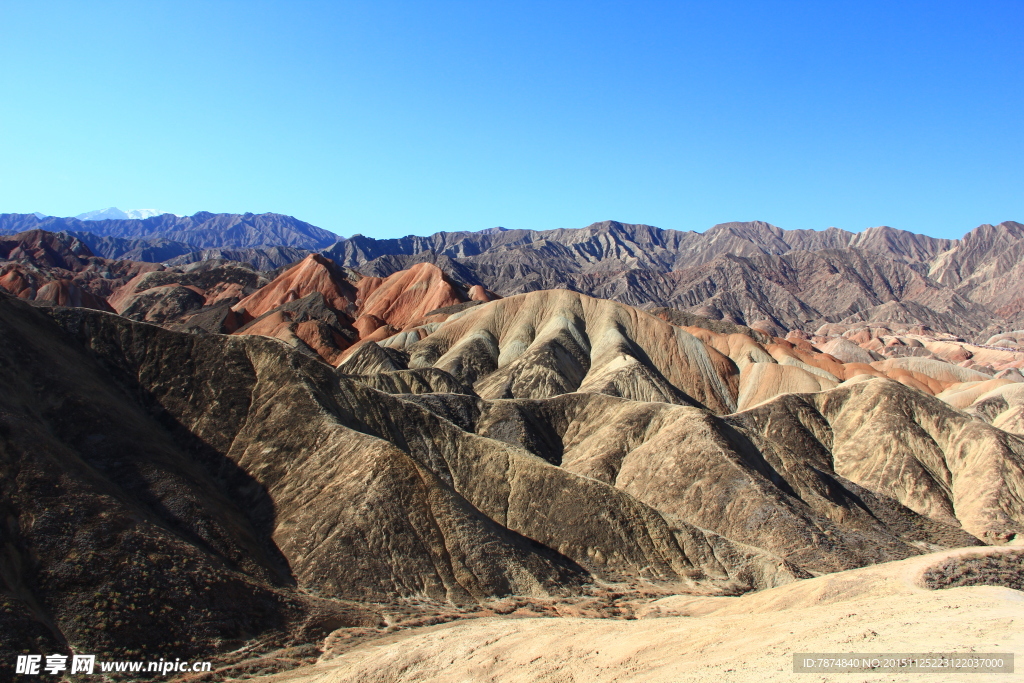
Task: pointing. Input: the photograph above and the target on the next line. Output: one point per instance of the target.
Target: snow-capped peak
(114, 213)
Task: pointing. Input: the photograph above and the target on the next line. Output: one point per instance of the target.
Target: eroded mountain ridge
(296, 451)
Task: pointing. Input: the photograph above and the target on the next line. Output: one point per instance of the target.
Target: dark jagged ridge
(739, 272)
(745, 273)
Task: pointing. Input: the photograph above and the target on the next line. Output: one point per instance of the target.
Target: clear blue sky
(396, 118)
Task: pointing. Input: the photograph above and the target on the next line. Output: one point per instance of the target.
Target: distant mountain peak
(114, 213)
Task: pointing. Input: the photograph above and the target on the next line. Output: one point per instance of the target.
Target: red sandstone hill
(313, 274)
(46, 250)
(57, 267)
(315, 305)
(319, 307)
(405, 297)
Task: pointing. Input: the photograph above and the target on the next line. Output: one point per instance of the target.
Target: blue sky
(395, 118)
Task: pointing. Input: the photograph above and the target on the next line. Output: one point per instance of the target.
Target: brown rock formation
(60, 269)
(554, 342)
(350, 307)
(313, 274)
(234, 462)
(750, 273)
(408, 295)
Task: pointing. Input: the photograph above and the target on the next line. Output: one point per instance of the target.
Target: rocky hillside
(752, 274)
(39, 265)
(746, 273)
(242, 460)
(525, 446)
(312, 304)
(332, 312)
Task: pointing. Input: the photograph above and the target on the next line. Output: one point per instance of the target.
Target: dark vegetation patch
(1001, 569)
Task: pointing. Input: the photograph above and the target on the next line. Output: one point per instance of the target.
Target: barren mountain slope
(46, 250)
(407, 296)
(314, 274)
(795, 290)
(613, 246)
(744, 272)
(555, 342)
(173, 296)
(998, 402)
(45, 266)
(831, 285)
(152, 249)
(59, 267)
(943, 465)
(323, 309)
(254, 469)
(815, 479)
(845, 274)
(489, 475)
(234, 462)
(109, 502)
(983, 249)
(261, 258)
(987, 267)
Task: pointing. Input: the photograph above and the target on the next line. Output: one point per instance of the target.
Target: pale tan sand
(884, 608)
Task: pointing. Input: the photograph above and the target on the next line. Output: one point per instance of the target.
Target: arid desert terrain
(615, 453)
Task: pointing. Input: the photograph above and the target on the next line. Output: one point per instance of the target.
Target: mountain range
(279, 466)
(540, 445)
(166, 236)
(747, 273)
(752, 274)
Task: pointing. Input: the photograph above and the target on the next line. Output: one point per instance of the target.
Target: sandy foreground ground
(884, 608)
